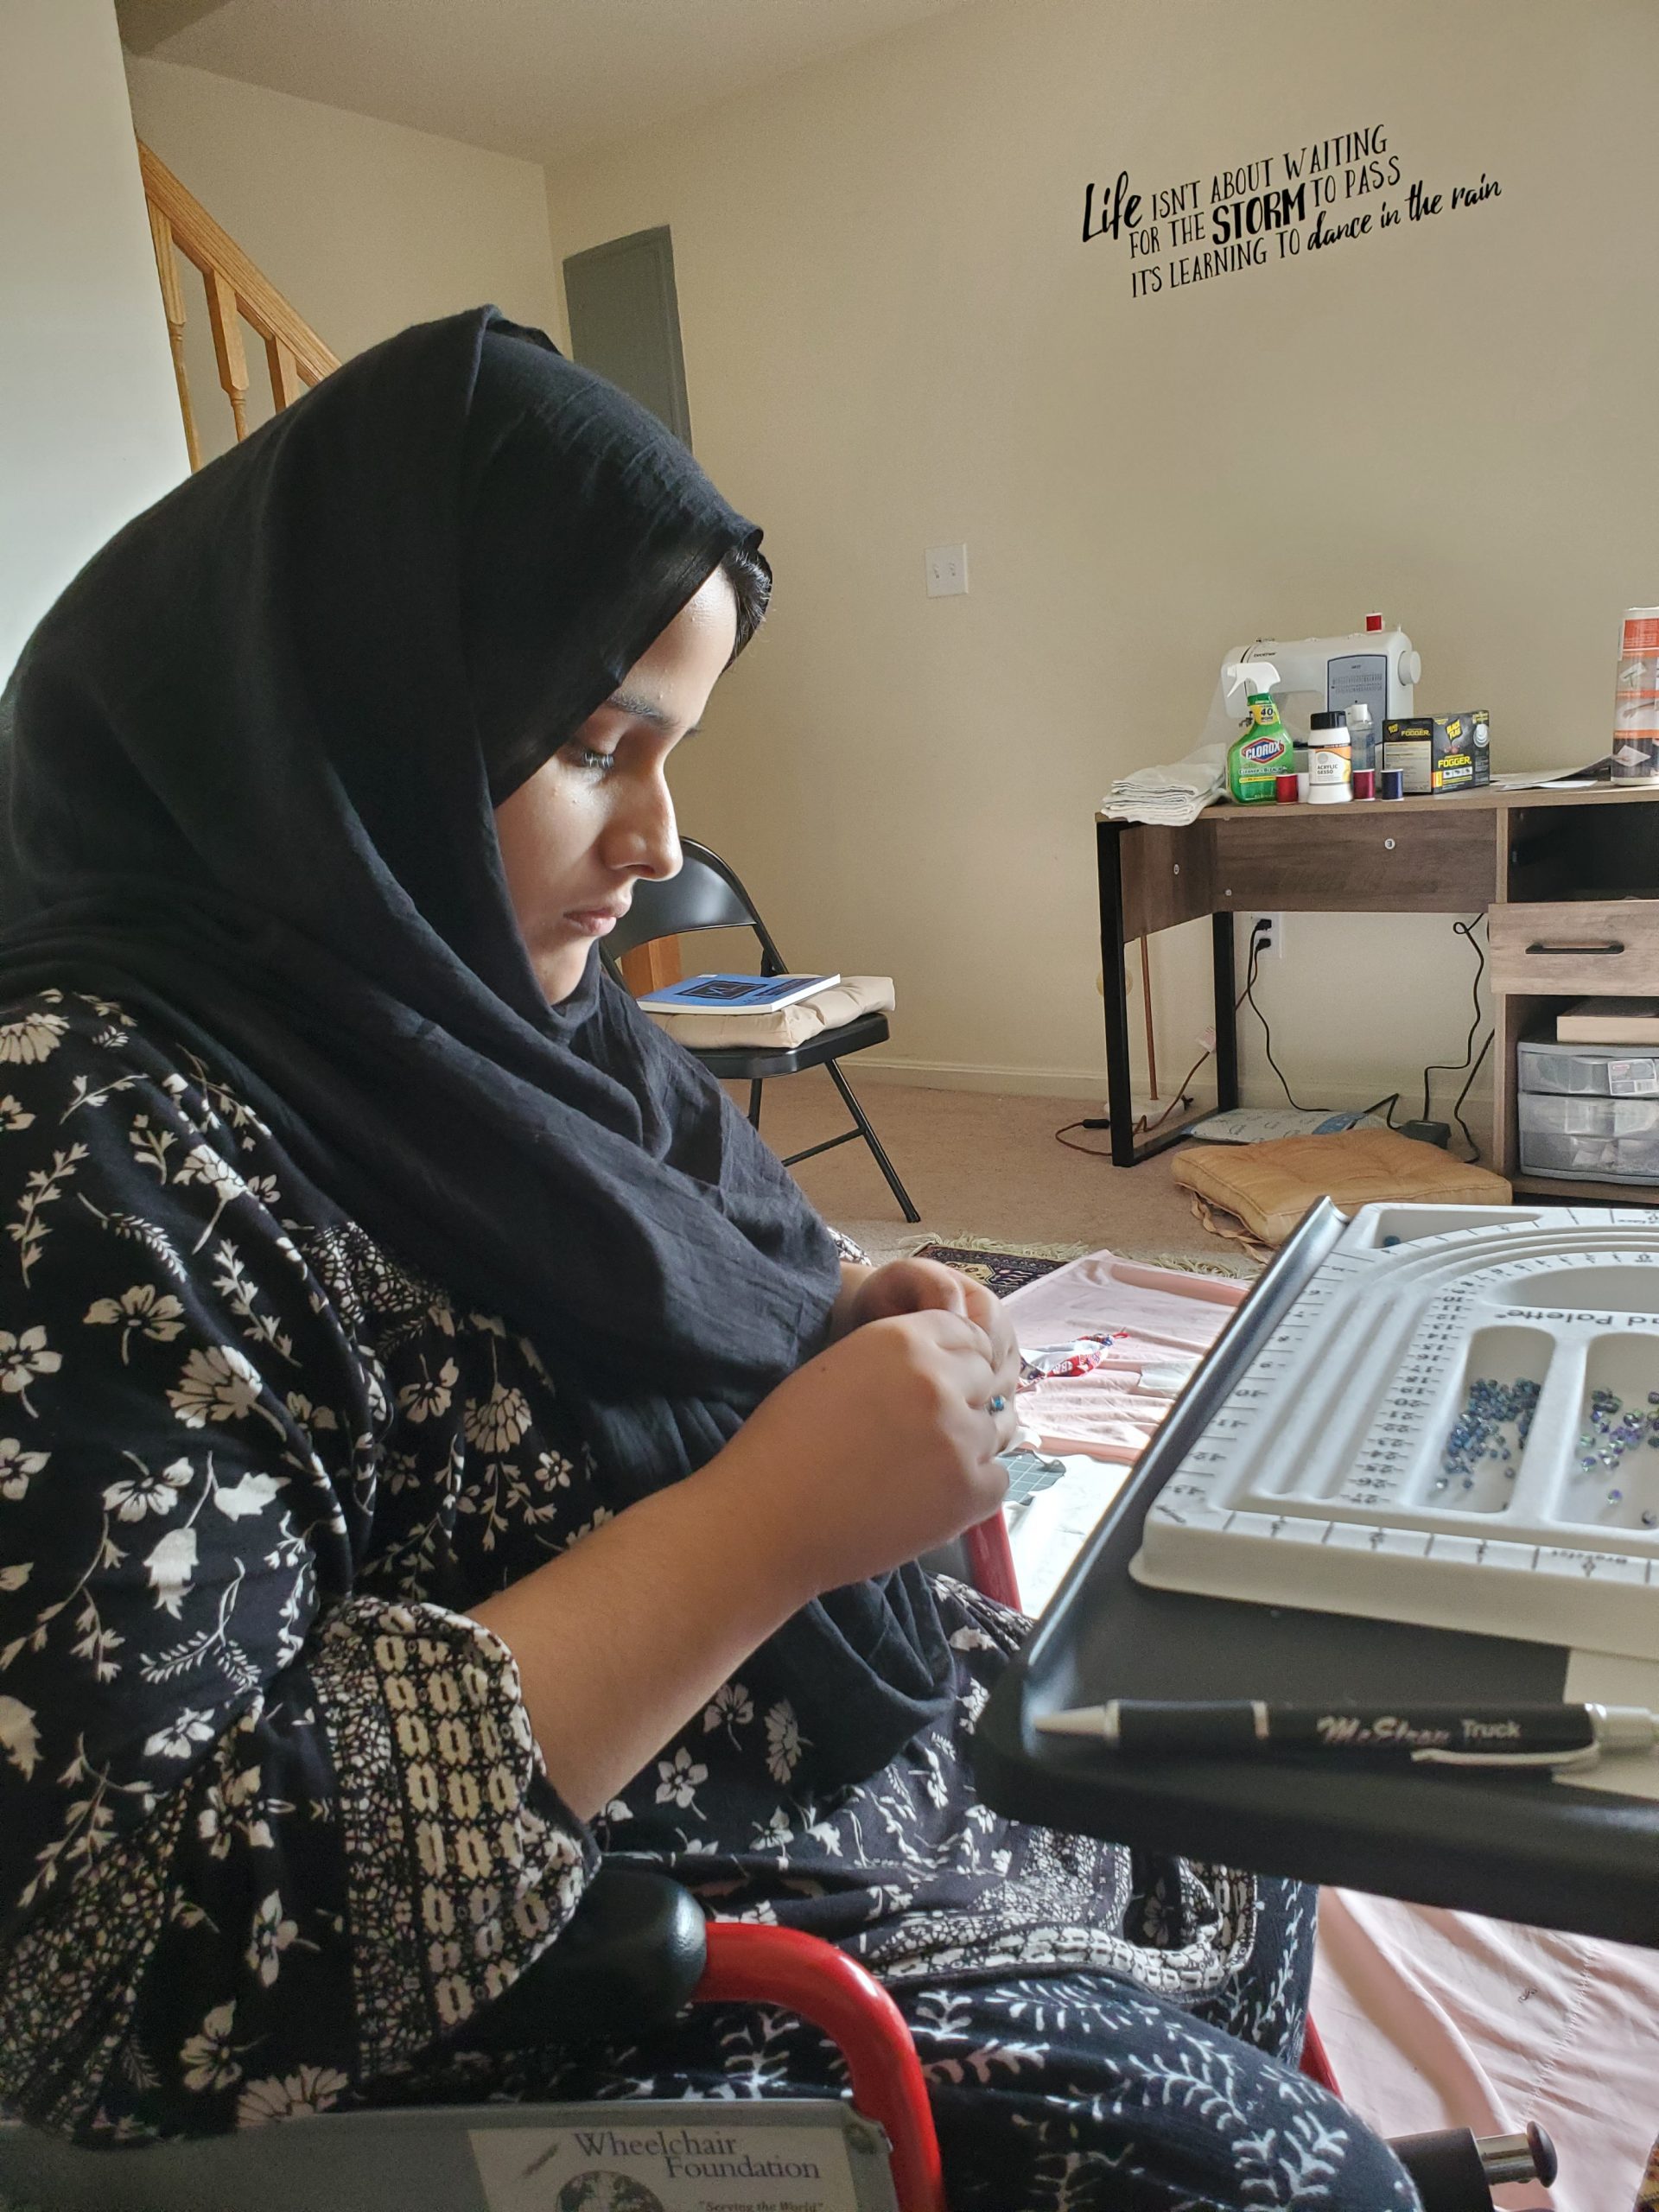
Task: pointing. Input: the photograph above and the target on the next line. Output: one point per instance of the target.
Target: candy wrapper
(1081, 1356)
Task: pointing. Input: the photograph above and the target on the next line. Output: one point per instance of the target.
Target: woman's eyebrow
(644, 709)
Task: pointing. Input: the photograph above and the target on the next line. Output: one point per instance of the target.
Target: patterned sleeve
(262, 1838)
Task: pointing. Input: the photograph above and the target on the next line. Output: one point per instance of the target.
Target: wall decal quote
(1273, 208)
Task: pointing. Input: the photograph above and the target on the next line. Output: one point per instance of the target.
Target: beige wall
(894, 336)
(365, 226)
(89, 423)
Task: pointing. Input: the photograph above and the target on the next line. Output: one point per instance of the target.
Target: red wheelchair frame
(751, 1965)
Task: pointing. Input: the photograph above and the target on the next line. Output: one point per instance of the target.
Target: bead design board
(1455, 1423)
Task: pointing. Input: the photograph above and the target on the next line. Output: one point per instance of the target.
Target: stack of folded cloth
(1174, 795)
(784, 1026)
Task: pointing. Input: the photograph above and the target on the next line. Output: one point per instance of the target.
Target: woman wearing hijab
(443, 1447)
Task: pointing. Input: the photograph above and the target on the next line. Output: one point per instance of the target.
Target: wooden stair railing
(237, 293)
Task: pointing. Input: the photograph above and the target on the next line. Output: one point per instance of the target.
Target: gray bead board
(1456, 1424)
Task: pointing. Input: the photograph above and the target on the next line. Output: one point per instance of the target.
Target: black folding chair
(706, 895)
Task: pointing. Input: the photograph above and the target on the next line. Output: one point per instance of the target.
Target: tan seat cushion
(791, 1024)
(1270, 1186)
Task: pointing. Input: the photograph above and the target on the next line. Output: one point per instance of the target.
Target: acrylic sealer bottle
(1330, 759)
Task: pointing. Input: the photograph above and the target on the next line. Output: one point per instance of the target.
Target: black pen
(1449, 1735)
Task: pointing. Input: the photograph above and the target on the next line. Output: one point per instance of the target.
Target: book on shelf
(1609, 1021)
(733, 994)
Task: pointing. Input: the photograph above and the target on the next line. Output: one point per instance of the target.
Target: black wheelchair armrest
(629, 1961)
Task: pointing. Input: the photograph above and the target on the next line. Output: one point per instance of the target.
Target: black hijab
(248, 764)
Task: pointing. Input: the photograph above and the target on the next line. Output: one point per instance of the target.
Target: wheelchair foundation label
(707, 2158)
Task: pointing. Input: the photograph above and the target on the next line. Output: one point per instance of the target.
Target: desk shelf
(1578, 861)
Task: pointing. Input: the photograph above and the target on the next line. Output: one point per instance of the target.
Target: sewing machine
(1378, 669)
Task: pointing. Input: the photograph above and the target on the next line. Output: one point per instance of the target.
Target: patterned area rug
(1004, 1267)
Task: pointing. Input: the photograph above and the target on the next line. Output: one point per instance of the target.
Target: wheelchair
(637, 1951)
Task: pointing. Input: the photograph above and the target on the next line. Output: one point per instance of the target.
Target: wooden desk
(1569, 880)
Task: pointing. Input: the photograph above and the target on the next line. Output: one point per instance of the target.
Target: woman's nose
(644, 837)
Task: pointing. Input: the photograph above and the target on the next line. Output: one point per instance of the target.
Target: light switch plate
(947, 570)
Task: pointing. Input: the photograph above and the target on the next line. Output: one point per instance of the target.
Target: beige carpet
(979, 1164)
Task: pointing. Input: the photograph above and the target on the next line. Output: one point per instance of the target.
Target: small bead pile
(1492, 1426)
(1613, 1429)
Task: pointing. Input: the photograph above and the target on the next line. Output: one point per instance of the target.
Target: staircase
(236, 293)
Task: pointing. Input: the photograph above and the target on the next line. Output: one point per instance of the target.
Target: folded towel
(1174, 795)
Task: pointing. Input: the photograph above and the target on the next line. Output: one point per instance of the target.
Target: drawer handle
(1579, 951)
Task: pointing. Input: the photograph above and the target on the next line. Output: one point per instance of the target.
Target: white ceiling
(544, 78)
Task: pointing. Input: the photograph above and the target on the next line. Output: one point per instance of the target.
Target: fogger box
(1439, 753)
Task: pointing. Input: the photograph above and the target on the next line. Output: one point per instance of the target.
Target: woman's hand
(882, 1446)
(923, 1287)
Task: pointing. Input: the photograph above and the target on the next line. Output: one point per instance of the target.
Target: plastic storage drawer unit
(1587, 1135)
(1599, 1070)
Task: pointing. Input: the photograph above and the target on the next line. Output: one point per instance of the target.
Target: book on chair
(723, 995)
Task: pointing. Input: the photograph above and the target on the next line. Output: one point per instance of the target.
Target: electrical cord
(1465, 929)
(1384, 1106)
(1248, 997)
(1457, 1111)
(1062, 1135)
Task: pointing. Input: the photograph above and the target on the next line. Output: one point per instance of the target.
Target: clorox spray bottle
(1262, 751)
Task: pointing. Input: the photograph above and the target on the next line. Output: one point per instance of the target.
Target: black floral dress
(274, 1830)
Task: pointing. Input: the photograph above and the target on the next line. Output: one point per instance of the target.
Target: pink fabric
(1434, 2019)
(1159, 1319)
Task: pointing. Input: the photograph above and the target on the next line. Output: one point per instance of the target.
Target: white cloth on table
(1174, 795)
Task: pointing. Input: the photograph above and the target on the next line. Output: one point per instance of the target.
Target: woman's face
(597, 814)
